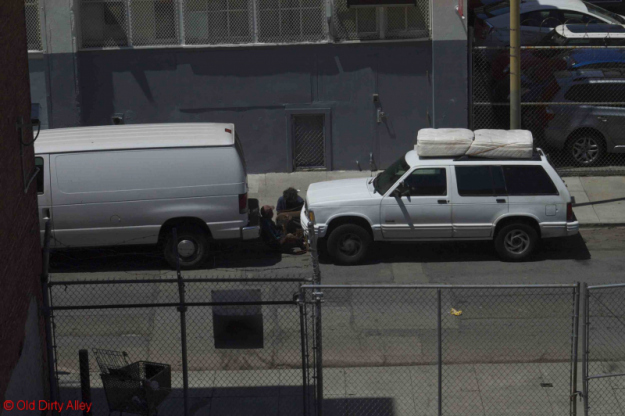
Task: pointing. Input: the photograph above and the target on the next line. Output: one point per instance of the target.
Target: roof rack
(536, 156)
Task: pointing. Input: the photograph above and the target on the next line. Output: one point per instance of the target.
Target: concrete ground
(367, 346)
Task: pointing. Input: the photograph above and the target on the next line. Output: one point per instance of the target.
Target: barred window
(365, 23)
(218, 22)
(33, 27)
(121, 23)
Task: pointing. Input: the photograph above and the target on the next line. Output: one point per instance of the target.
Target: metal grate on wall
(308, 141)
(130, 23)
(33, 26)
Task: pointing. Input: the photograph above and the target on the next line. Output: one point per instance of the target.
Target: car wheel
(192, 247)
(349, 243)
(516, 242)
(586, 150)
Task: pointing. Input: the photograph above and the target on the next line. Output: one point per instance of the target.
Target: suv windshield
(383, 182)
(607, 15)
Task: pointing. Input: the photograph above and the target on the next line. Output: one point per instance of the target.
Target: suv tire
(349, 243)
(516, 242)
(193, 246)
(586, 150)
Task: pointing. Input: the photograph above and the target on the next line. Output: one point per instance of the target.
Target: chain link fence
(241, 338)
(445, 350)
(124, 23)
(572, 92)
(604, 364)
(33, 25)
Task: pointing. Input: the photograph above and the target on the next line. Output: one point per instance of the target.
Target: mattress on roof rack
(496, 144)
(443, 142)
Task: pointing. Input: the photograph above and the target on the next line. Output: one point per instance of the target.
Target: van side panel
(123, 197)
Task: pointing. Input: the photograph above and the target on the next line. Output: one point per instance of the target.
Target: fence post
(585, 345)
(575, 342)
(183, 325)
(47, 313)
(302, 325)
(319, 353)
(85, 383)
(439, 336)
(314, 254)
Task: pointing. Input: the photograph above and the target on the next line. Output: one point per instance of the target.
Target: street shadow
(242, 255)
(568, 248)
(242, 401)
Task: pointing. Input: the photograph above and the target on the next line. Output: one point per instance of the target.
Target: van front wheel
(349, 243)
(192, 246)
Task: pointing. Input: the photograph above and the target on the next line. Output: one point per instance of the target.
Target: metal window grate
(33, 25)
(308, 141)
(124, 23)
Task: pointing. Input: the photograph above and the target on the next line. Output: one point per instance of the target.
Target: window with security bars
(371, 23)
(308, 137)
(33, 26)
(118, 23)
(125, 23)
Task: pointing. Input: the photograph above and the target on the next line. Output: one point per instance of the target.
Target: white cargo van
(132, 184)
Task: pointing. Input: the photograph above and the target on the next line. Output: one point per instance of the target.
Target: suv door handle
(442, 201)
(501, 201)
(46, 214)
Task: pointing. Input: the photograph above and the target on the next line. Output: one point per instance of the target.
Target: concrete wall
(20, 266)
(420, 84)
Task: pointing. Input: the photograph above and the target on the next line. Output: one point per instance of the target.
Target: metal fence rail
(604, 350)
(573, 95)
(439, 349)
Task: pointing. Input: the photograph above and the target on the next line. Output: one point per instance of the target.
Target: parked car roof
(497, 11)
(594, 30)
(134, 136)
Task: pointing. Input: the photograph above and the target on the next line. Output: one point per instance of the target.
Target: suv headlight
(311, 216)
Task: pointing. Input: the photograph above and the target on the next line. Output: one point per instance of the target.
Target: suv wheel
(586, 150)
(516, 242)
(349, 243)
(192, 247)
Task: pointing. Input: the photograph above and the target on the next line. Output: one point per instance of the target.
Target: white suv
(514, 202)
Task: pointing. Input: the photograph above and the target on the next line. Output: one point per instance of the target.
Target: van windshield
(383, 182)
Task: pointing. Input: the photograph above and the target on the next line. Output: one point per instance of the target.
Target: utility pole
(515, 64)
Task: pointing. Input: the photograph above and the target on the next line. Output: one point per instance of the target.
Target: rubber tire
(506, 255)
(600, 155)
(335, 238)
(187, 233)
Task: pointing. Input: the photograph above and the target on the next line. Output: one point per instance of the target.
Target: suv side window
(427, 182)
(528, 180)
(480, 181)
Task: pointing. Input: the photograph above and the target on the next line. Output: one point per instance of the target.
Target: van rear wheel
(192, 247)
(516, 242)
(349, 243)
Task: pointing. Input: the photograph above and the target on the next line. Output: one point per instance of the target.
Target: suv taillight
(243, 203)
(570, 216)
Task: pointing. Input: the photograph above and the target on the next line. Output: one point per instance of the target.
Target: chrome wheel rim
(585, 150)
(187, 249)
(350, 245)
(517, 241)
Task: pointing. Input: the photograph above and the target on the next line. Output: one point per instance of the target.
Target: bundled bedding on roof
(443, 142)
(500, 144)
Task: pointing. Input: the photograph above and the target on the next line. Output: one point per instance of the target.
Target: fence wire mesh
(502, 350)
(33, 25)
(243, 338)
(606, 350)
(122, 23)
(572, 92)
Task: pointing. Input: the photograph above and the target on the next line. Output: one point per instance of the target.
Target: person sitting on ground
(274, 236)
(289, 201)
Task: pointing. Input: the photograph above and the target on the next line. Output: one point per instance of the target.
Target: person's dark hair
(266, 211)
(290, 195)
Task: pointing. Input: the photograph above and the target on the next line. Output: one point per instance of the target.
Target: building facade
(309, 84)
(22, 336)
